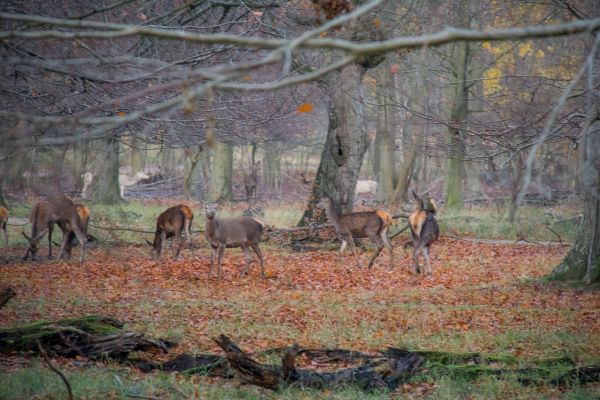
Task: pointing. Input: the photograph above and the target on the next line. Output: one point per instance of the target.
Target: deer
(244, 232)
(84, 217)
(3, 223)
(363, 224)
(189, 216)
(170, 223)
(57, 210)
(424, 230)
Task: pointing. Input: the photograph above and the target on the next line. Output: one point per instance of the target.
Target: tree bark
(104, 187)
(459, 114)
(345, 146)
(221, 173)
(582, 263)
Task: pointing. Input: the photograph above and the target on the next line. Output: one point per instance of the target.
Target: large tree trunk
(221, 173)
(345, 146)
(385, 142)
(104, 187)
(459, 114)
(582, 263)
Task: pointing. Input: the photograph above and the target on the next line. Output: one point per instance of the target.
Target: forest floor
(482, 297)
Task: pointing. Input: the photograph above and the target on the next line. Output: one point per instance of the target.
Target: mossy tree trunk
(582, 263)
(104, 187)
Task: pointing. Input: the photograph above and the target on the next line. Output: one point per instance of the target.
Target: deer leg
(350, 241)
(179, 239)
(63, 246)
(377, 240)
(260, 258)
(163, 239)
(343, 246)
(427, 260)
(50, 229)
(213, 252)
(388, 245)
(220, 259)
(5, 235)
(246, 251)
(418, 249)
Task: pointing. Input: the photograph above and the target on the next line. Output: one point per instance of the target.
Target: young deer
(170, 223)
(241, 232)
(371, 224)
(424, 230)
(57, 210)
(3, 222)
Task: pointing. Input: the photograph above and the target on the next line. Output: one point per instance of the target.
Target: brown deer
(84, 217)
(170, 223)
(241, 232)
(57, 210)
(189, 216)
(424, 230)
(371, 224)
(3, 222)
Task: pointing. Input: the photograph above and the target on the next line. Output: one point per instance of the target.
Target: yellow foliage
(491, 84)
(525, 48)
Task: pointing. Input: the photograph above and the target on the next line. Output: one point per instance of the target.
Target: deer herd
(244, 232)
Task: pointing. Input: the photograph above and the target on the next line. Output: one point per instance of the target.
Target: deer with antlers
(363, 224)
(424, 230)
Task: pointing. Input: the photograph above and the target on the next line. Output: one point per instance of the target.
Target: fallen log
(376, 372)
(91, 336)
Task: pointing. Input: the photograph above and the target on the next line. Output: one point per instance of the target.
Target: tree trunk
(582, 263)
(272, 167)
(385, 143)
(345, 146)
(194, 169)
(458, 115)
(221, 173)
(104, 187)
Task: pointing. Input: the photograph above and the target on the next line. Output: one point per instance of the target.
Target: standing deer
(424, 230)
(57, 210)
(169, 224)
(3, 222)
(189, 216)
(241, 232)
(371, 224)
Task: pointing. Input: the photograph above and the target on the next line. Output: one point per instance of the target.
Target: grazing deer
(84, 217)
(371, 224)
(424, 230)
(169, 224)
(3, 222)
(241, 232)
(57, 210)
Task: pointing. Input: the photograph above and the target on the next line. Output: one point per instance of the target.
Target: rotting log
(90, 336)
(376, 372)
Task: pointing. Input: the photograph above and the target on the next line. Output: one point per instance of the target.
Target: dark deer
(3, 222)
(169, 224)
(371, 224)
(57, 210)
(241, 232)
(189, 216)
(424, 230)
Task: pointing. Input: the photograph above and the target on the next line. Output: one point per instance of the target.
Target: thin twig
(53, 368)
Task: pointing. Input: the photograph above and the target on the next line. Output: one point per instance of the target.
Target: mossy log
(89, 336)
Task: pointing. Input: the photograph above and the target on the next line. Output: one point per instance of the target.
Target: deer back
(359, 223)
(187, 212)
(234, 231)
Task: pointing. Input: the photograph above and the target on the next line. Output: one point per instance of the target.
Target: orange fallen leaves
(307, 296)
